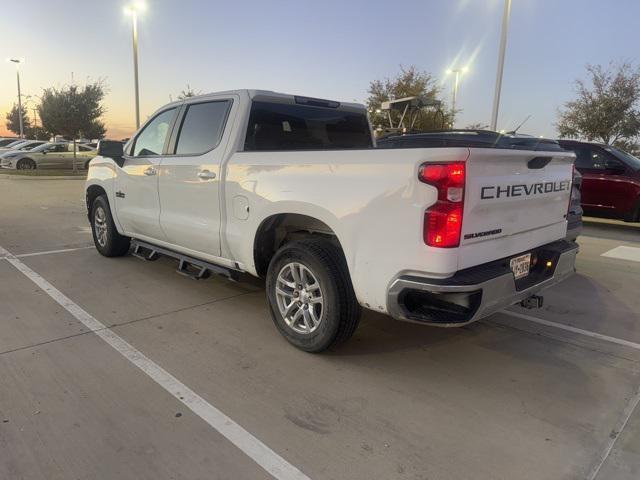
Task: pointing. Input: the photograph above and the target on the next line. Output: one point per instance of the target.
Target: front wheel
(105, 235)
(310, 295)
(26, 164)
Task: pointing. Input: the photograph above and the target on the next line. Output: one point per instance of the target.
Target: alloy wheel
(100, 226)
(299, 298)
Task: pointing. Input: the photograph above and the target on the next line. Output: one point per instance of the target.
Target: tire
(105, 235)
(26, 164)
(333, 313)
(634, 214)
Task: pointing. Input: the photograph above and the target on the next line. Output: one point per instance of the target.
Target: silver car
(4, 141)
(50, 155)
(15, 143)
(24, 146)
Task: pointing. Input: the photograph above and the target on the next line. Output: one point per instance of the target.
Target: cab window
(150, 141)
(58, 148)
(588, 158)
(202, 127)
(281, 126)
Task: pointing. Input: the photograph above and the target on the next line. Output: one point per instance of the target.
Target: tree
(73, 111)
(606, 107)
(629, 146)
(408, 83)
(13, 120)
(189, 92)
(94, 130)
(38, 133)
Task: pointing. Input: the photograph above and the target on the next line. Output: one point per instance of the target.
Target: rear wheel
(26, 164)
(310, 295)
(105, 235)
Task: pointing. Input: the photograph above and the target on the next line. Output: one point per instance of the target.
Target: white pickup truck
(293, 189)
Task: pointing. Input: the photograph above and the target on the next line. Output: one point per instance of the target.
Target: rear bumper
(477, 292)
(574, 230)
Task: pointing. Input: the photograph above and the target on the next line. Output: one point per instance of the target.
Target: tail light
(443, 220)
(573, 179)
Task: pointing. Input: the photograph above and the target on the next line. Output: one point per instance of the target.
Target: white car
(23, 147)
(4, 141)
(291, 189)
(15, 143)
(49, 155)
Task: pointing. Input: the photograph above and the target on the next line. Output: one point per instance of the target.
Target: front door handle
(150, 171)
(206, 175)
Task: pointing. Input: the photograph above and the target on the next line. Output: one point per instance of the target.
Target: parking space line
(631, 405)
(615, 434)
(260, 453)
(623, 253)
(569, 328)
(49, 252)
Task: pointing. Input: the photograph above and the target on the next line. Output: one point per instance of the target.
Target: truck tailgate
(514, 201)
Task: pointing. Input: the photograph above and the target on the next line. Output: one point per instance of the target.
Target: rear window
(277, 126)
(202, 127)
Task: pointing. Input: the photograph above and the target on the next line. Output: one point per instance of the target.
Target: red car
(610, 180)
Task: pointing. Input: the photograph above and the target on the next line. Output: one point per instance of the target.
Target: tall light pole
(503, 48)
(133, 9)
(456, 85)
(18, 61)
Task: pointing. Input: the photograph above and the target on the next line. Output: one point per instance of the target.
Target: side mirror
(111, 149)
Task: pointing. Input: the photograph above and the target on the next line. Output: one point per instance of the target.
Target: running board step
(195, 272)
(187, 266)
(144, 253)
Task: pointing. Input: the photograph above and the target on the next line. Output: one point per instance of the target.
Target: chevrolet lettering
(520, 190)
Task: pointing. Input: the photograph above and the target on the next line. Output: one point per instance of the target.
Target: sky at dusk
(328, 49)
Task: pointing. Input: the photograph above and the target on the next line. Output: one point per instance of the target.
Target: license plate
(520, 265)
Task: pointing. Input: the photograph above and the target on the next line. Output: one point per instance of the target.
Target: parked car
(17, 142)
(49, 155)
(490, 139)
(25, 146)
(291, 189)
(610, 180)
(574, 216)
(4, 141)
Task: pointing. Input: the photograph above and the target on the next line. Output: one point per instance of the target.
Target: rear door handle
(150, 171)
(206, 175)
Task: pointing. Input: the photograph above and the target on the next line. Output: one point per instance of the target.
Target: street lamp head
(135, 7)
(17, 61)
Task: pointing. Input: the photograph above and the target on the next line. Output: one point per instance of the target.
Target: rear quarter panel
(371, 199)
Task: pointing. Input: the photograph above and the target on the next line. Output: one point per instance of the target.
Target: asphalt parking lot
(121, 369)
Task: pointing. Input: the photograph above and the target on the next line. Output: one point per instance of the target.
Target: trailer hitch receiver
(534, 301)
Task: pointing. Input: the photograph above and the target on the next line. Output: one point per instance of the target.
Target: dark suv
(610, 180)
